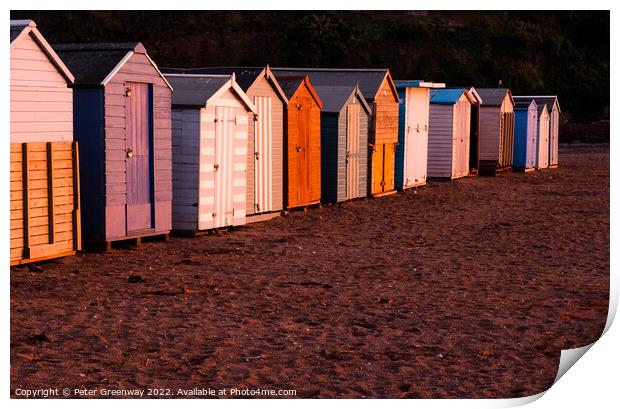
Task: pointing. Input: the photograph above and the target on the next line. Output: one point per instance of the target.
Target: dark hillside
(532, 52)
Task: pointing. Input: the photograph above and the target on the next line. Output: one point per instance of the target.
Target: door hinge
(256, 155)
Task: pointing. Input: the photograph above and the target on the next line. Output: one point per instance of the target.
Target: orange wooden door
(376, 185)
(303, 151)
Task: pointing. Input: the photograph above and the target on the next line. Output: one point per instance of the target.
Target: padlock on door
(129, 152)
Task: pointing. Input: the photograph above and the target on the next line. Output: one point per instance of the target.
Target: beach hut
(553, 108)
(303, 141)
(209, 151)
(449, 129)
(525, 134)
(265, 162)
(122, 120)
(413, 124)
(495, 145)
(44, 180)
(344, 141)
(378, 88)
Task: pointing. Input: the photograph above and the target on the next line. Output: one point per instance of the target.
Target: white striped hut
(209, 151)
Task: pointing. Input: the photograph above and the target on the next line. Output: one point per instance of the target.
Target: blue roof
(446, 96)
(407, 83)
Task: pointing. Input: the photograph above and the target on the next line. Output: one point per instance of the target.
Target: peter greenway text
(152, 392)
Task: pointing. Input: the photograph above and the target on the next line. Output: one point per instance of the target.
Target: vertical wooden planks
(353, 150)
(137, 159)
(50, 190)
(77, 217)
(26, 197)
(43, 201)
(263, 172)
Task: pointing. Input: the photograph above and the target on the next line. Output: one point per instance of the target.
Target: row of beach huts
(106, 146)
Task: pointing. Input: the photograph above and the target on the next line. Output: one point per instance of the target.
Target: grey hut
(344, 139)
(495, 145)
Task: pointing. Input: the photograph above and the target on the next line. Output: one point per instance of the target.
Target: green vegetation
(532, 52)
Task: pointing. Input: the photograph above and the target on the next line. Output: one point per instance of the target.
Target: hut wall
(461, 126)
(554, 124)
(412, 148)
(263, 88)
(386, 115)
(332, 183)
(521, 138)
(363, 152)
(339, 174)
(137, 69)
(543, 140)
(222, 192)
(88, 127)
(41, 101)
(401, 148)
(44, 201)
(506, 132)
(302, 192)
(532, 136)
(186, 135)
(489, 133)
(440, 141)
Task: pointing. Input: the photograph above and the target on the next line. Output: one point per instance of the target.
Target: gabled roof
(450, 96)
(197, 90)
(335, 97)
(245, 76)
(522, 102)
(494, 96)
(22, 28)
(541, 108)
(290, 85)
(418, 84)
(548, 100)
(369, 80)
(97, 63)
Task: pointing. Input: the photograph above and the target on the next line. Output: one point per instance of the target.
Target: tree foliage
(564, 53)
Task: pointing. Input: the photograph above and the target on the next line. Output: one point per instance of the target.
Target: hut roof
(290, 85)
(17, 26)
(418, 84)
(245, 76)
(369, 80)
(335, 97)
(493, 96)
(548, 100)
(96, 63)
(20, 28)
(524, 102)
(448, 96)
(195, 90)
